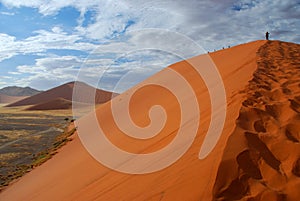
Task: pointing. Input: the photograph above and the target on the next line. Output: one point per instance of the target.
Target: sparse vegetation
(28, 139)
(37, 159)
(60, 140)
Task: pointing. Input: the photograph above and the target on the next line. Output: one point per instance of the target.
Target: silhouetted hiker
(267, 35)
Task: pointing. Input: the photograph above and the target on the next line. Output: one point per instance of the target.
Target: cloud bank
(103, 29)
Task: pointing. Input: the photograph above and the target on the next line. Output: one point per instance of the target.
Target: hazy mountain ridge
(19, 91)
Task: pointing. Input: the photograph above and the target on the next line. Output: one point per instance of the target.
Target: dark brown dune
(55, 104)
(64, 92)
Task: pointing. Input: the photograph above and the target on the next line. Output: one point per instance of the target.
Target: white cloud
(14, 73)
(52, 70)
(5, 77)
(51, 7)
(49, 64)
(2, 83)
(7, 13)
(57, 30)
(59, 62)
(213, 24)
(41, 42)
(18, 3)
(7, 49)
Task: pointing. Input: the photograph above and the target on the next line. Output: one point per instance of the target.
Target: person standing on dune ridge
(267, 35)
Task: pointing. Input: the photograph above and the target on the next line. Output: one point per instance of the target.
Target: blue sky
(47, 43)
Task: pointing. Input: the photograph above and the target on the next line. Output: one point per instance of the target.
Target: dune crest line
(265, 165)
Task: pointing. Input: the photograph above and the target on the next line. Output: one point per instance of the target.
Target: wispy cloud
(7, 13)
(41, 42)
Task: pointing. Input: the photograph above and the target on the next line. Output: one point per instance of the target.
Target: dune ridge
(261, 158)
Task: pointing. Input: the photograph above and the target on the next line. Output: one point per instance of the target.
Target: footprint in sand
(270, 120)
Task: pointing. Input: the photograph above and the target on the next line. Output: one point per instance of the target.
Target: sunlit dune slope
(261, 160)
(73, 174)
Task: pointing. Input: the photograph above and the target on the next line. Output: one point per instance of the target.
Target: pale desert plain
(256, 158)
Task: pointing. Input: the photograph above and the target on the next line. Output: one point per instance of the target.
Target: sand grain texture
(265, 166)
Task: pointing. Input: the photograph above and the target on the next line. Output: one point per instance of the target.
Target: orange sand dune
(10, 99)
(64, 91)
(264, 164)
(257, 127)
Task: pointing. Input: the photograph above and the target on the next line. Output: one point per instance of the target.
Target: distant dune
(5, 99)
(58, 97)
(55, 104)
(19, 91)
(257, 157)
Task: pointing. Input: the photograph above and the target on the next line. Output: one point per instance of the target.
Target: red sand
(261, 156)
(73, 174)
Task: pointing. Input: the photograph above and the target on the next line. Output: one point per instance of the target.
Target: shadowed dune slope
(65, 91)
(10, 99)
(55, 104)
(256, 158)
